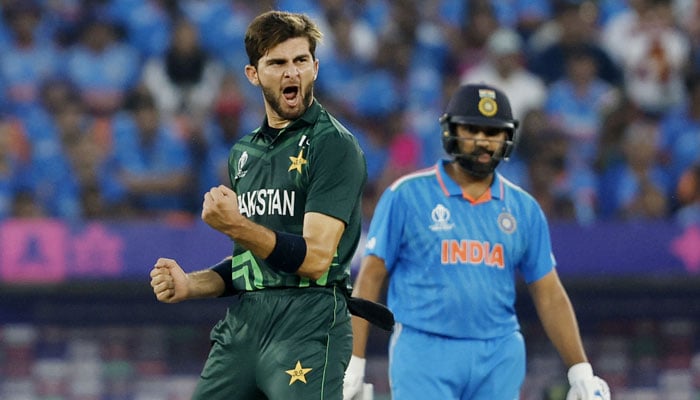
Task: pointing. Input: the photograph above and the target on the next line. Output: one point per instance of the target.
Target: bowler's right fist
(169, 281)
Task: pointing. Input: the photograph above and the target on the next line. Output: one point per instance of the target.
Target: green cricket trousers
(279, 344)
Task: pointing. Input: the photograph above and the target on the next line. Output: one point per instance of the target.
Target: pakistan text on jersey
(472, 252)
(267, 202)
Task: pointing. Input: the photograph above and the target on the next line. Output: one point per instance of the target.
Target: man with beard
(450, 239)
(293, 213)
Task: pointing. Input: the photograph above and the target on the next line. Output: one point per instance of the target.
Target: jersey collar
(310, 116)
(451, 188)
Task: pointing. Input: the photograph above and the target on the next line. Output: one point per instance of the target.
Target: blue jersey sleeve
(383, 237)
(538, 259)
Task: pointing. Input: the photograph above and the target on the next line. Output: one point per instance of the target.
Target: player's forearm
(204, 284)
(254, 237)
(367, 289)
(309, 255)
(370, 280)
(560, 325)
(368, 285)
(360, 334)
(557, 317)
(314, 261)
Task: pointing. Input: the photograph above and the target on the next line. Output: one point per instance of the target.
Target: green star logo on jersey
(298, 373)
(297, 161)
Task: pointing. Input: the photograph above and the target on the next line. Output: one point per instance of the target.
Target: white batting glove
(354, 379)
(585, 385)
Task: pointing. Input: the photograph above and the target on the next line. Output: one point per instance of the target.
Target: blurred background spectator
(635, 186)
(212, 140)
(679, 133)
(573, 27)
(577, 103)
(504, 67)
(150, 169)
(185, 79)
(688, 195)
(653, 54)
(27, 59)
(101, 64)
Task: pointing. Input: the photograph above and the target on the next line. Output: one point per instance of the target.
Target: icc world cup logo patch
(241, 164)
(507, 223)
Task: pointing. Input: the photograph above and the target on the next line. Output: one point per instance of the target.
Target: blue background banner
(635, 249)
(51, 251)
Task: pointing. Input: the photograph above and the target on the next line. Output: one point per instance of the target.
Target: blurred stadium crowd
(127, 108)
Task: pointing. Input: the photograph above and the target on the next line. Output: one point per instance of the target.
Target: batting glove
(585, 385)
(354, 378)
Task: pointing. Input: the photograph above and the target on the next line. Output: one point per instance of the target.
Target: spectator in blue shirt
(635, 187)
(27, 60)
(679, 133)
(347, 53)
(576, 105)
(67, 148)
(150, 168)
(221, 25)
(147, 24)
(573, 32)
(218, 135)
(53, 184)
(566, 191)
(103, 68)
(84, 142)
(525, 16)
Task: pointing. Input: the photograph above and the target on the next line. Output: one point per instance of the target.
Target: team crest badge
(298, 373)
(507, 223)
(297, 162)
(441, 219)
(487, 103)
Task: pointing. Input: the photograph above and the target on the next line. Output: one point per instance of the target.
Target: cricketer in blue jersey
(450, 240)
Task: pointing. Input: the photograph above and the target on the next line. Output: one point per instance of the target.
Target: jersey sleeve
(538, 259)
(385, 230)
(338, 175)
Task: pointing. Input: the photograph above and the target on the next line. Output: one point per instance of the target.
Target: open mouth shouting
(292, 95)
(291, 102)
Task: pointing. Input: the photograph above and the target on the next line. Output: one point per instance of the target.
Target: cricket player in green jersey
(293, 214)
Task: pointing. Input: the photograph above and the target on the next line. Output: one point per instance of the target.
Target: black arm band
(289, 252)
(224, 270)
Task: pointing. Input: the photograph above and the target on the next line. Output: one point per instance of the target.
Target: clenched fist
(169, 281)
(220, 209)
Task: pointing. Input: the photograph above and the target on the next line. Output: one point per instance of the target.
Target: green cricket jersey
(313, 165)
